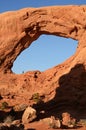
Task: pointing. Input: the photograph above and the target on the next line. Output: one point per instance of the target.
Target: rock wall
(62, 85)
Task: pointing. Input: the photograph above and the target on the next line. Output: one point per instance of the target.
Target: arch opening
(44, 53)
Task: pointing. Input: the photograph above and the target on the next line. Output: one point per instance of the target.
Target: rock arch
(19, 29)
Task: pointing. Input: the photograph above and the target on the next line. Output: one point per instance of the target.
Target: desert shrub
(8, 119)
(4, 105)
(82, 122)
(36, 98)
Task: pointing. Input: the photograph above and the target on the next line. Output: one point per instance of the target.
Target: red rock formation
(61, 87)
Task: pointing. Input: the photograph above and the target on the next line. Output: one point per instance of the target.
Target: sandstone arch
(20, 28)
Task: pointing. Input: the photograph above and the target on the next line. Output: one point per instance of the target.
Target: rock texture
(62, 87)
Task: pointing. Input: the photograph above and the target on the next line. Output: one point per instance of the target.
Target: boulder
(52, 122)
(68, 121)
(28, 115)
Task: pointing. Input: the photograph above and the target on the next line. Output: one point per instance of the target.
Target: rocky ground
(24, 117)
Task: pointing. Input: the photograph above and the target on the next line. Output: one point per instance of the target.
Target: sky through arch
(46, 52)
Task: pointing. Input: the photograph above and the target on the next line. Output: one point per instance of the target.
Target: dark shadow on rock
(12, 127)
(70, 95)
(12, 113)
(3, 115)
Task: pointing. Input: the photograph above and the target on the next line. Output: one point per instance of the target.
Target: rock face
(64, 85)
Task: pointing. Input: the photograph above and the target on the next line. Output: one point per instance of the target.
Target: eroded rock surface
(64, 86)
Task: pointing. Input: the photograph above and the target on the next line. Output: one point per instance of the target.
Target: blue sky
(47, 51)
(18, 4)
